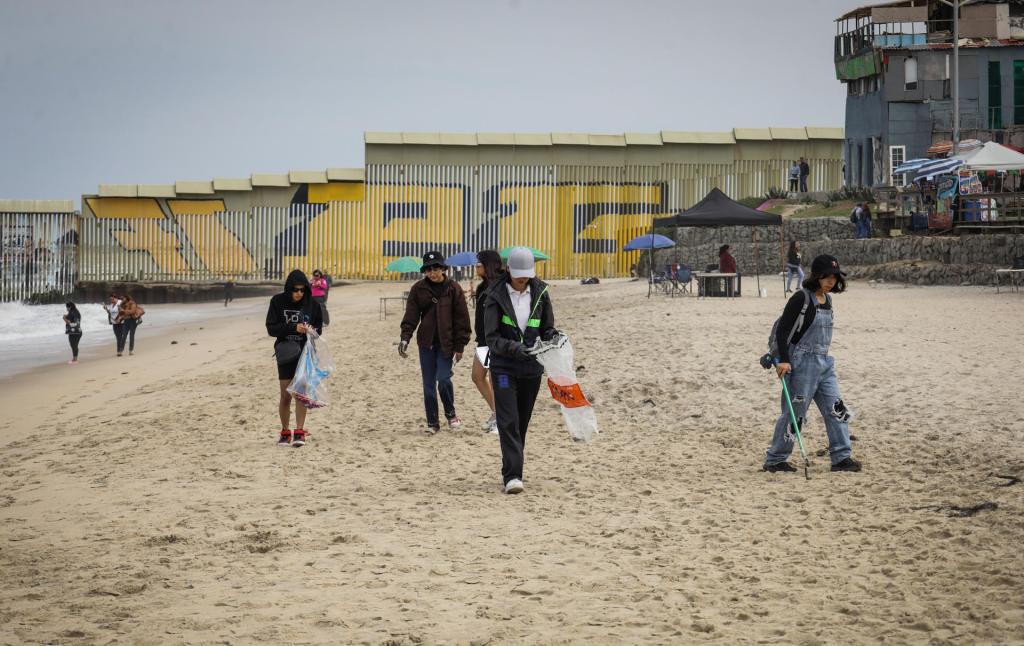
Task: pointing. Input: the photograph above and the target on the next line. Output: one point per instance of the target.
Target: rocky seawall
(919, 260)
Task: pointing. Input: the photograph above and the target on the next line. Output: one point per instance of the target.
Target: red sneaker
(285, 439)
(298, 438)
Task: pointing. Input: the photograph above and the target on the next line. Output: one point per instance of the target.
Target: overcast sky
(149, 92)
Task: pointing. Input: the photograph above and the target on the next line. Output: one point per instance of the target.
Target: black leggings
(73, 339)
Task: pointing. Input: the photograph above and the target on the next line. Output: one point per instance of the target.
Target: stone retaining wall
(922, 260)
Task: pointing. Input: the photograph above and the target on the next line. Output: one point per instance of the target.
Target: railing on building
(38, 256)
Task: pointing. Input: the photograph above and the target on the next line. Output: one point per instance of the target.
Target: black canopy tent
(718, 210)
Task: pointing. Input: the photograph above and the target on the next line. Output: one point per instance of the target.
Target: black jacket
(506, 344)
(284, 313)
(789, 316)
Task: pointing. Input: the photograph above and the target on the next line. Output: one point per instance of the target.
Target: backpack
(853, 216)
(773, 348)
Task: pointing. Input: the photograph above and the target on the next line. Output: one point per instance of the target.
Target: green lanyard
(530, 322)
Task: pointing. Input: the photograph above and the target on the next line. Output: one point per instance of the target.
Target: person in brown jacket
(437, 305)
(130, 315)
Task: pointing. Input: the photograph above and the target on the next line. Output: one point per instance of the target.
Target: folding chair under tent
(718, 210)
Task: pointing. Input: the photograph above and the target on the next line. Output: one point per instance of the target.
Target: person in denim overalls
(812, 372)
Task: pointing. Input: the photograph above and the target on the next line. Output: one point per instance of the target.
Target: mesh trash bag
(315, 364)
(557, 358)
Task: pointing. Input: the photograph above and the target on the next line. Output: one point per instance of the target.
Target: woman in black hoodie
(291, 314)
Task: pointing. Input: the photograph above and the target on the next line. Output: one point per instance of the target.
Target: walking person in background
(865, 221)
(437, 312)
(488, 269)
(855, 219)
(320, 288)
(229, 292)
(290, 315)
(517, 312)
(794, 177)
(73, 328)
(130, 315)
(811, 371)
(113, 310)
(805, 171)
(793, 267)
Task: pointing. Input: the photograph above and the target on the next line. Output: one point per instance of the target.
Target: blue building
(896, 62)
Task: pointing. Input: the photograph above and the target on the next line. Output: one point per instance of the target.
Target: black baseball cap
(826, 265)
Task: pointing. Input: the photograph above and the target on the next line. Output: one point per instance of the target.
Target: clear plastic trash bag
(315, 364)
(557, 358)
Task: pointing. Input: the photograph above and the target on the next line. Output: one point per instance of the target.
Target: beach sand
(142, 499)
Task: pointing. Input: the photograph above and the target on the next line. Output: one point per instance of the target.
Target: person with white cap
(437, 306)
(517, 312)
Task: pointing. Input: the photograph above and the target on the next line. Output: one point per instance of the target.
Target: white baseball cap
(520, 263)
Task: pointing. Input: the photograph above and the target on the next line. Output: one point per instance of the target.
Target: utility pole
(956, 4)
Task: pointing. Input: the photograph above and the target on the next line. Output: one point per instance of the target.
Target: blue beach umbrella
(938, 167)
(910, 165)
(462, 259)
(649, 241)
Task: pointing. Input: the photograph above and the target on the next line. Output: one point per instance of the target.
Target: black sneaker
(849, 464)
(779, 467)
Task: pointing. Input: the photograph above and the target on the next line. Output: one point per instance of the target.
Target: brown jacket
(449, 315)
(130, 310)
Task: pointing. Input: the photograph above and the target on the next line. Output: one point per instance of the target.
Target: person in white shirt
(113, 309)
(517, 312)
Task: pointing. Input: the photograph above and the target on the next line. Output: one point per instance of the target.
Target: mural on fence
(570, 221)
(580, 216)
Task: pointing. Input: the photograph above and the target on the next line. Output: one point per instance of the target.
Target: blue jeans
(794, 270)
(437, 378)
(813, 377)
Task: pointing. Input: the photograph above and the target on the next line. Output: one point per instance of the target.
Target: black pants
(73, 339)
(514, 398)
(322, 300)
(119, 334)
(130, 326)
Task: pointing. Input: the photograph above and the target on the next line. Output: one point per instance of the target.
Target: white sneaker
(494, 428)
(489, 424)
(515, 485)
(454, 423)
(432, 430)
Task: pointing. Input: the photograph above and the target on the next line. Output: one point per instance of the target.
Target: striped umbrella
(910, 166)
(938, 167)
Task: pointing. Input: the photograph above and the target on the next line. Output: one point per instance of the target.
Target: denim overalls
(813, 377)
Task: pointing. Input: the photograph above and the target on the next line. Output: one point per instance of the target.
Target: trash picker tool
(796, 426)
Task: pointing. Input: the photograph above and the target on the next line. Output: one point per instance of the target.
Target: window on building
(872, 84)
(897, 155)
(995, 96)
(910, 74)
(1018, 92)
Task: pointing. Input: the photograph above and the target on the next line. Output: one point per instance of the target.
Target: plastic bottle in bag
(557, 357)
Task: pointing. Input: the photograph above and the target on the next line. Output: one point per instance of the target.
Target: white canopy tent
(992, 156)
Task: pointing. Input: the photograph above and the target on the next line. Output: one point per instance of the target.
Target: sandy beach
(142, 499)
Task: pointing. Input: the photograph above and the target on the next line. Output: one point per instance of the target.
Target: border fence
(38, 256)
(579, 216)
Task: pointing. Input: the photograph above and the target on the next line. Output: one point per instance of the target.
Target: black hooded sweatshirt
(284, 313)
